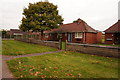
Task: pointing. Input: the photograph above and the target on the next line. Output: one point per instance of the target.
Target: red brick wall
(44, 38)
(74, 40)
(99, 37)
(77, 40)
(91, 38)
(49, 37)
(64, 36)
(54, 37)
(109, 36)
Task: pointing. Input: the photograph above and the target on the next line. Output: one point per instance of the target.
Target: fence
(82, 48)
(46, 43)
(94, 49)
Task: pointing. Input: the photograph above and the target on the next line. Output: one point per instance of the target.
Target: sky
(99, 14)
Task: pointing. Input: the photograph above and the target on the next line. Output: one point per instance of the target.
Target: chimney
(79, 21)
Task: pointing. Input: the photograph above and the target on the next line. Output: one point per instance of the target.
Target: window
(78, 35)
(46, 35)
(59, 35)
(50, 34)
(112, 35)
(78, 23)
(109, 39)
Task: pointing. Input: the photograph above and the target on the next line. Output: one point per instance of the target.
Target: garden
(65, 64)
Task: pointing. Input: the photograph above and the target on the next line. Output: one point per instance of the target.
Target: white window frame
(50, 34)
(17, 34)
(59, 35)
(109, 39)
(46, 35)
(78, 35)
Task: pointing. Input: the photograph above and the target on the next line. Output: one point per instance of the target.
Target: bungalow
(112, 34)
(77, 32)
(34, 35)
(15, 33)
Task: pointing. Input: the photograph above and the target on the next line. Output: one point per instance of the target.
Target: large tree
(40, 16)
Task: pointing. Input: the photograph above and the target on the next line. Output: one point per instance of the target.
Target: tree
(4, 33)
(40, 16)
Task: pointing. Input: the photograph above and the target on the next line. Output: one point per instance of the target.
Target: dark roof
(114, 28)
(77, 26)
(52, 31)
(34, 33)
(16, 31)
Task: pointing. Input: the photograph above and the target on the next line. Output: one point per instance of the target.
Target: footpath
(5, 70)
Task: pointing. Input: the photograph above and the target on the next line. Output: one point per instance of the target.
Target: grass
(109, 45)
(64, 65)
(12, 47)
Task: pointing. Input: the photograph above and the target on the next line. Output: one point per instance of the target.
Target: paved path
(5, 70)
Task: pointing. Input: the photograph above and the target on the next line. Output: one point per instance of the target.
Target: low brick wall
(46, 43)
(94, 49)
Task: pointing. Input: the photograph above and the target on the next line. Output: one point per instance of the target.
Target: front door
(117, 38)
(69, 37)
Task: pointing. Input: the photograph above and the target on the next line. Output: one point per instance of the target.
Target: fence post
(10, 36)
(60, 42)
(65, 45)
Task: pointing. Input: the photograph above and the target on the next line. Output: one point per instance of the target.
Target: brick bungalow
(15, 33)
(112, 34)
(77, 32)
(34, 35)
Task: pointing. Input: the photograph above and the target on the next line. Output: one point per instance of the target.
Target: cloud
(99, 14)
(119, 10)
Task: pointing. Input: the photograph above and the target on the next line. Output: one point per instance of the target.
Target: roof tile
(77, 26)
(114, 28)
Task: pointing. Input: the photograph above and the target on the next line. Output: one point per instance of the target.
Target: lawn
(12, 47)
(64, 65)
(109, 45)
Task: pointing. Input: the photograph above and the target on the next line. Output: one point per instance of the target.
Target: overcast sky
(99, 14)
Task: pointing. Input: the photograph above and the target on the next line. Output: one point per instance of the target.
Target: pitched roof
(52, 31)
(77, 26)
(16, 31)
(114, 28)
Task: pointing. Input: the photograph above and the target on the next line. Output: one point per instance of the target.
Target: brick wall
(64, 36)
(109, 36)
(99, 37)
(77, 40)
(91, 38)
(93, 49)
(47, 38)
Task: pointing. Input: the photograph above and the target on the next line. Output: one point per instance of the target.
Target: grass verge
(12, 47)
(64, 65)
(109, 45)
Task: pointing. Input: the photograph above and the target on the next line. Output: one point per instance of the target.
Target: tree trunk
(41, 35)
